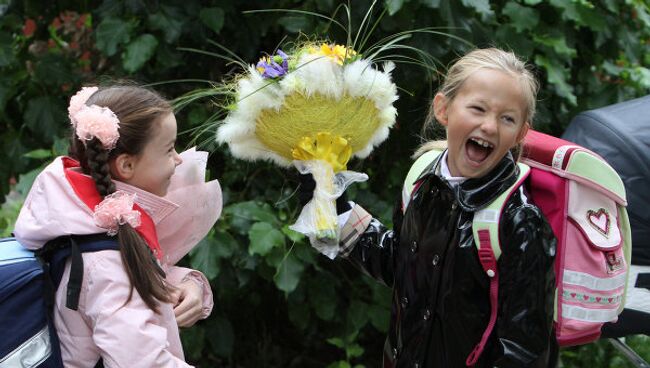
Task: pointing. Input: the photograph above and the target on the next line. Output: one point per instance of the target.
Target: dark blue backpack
(28, 281)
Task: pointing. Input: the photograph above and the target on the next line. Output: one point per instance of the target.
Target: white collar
(446, 174)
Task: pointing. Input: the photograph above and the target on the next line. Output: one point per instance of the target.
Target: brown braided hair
(138, 109)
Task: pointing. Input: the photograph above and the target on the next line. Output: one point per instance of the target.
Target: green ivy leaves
(213, 18)
(264, 237)
(139, 52)
(111, 33)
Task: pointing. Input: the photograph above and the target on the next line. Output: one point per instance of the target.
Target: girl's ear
(523, 132)
(440, 108)
(123, 167)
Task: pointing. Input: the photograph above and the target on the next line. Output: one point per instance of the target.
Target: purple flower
(274, 66)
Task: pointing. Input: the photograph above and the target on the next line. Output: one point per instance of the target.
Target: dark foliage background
(279, 304)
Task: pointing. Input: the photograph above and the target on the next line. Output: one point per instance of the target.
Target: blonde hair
(489, 58)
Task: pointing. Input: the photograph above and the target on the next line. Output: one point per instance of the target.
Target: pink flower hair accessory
(97, 122)
(116, 209)
(78, 101)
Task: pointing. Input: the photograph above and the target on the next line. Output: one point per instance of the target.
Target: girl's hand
(188, 303)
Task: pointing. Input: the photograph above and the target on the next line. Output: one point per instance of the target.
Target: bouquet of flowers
(313, 107)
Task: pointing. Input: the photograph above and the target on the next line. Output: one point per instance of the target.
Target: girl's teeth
(481, 142)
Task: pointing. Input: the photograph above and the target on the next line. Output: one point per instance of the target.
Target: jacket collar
(476, 193)
(152, 208)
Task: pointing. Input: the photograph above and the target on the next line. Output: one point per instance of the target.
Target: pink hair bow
(97, 122)
(116, 209)
(78, 101)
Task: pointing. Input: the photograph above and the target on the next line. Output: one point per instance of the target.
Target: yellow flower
(338, 53)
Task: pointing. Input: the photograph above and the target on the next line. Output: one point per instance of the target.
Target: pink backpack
(583, 199)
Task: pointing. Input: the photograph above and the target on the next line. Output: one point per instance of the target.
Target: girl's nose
(177, 158)
(489, 125)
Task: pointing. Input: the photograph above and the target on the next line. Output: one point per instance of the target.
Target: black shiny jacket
(441, 302)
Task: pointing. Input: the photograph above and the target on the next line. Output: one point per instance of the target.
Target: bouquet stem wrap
(318, 219)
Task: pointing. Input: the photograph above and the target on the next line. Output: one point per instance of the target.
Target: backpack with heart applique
(583, 200)
(28, 282)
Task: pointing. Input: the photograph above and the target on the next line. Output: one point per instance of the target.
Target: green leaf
(111, 33)
(568, 9)
(322, 298)
(212, 18)
(294, 236)
(193, 342)
(221, 336)
(44, 117)
(379, 317)
(558, 44)
(203, 257)
(556, 75)
(252, 211)
(9, 211)
(225, 244)
(299, 313)
(25, 181)
(288, 274)
(481, 6)
(336, 341)
(532, 2)
(393, 6)
(39, 154)
(354, 351)
(139, 52)
(510, 39)
(521, 17)
(641, 76)
(358, 314)
(6, 52)
(593, 18)
(54, 70)
(264, 237)
(61, 147)
(169, 21)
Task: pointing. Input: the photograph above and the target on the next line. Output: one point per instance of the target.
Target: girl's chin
(473, 169)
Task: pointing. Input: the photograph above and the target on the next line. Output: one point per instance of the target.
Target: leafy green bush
(278, 303)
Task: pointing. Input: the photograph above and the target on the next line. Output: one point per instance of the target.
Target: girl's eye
(509, 119)
(477, 108)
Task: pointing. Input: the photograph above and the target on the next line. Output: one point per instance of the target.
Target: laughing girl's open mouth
(478, 150)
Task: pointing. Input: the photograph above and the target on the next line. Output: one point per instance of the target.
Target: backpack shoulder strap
(485, 227)
(57, 251)
(486, 221)
(414, 173)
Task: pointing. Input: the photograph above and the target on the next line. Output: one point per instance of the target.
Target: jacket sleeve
(127, 334)
(369, 245)
(526, 290)
(177, 275)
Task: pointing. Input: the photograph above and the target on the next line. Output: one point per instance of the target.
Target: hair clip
(97, 122)
(116, 209)
(78, 101)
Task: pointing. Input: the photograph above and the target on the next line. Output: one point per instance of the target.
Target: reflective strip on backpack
(31, 353)
(488, 217)
(592, 282)
(588, 314)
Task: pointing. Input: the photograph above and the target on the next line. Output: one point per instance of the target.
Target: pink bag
(583, 199)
